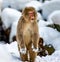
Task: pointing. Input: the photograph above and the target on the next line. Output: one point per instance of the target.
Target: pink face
(31, 15)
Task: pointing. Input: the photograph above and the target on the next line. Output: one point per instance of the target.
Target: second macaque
(42, 50)
(28, 35)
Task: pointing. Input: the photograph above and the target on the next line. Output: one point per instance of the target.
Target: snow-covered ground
(9, 53)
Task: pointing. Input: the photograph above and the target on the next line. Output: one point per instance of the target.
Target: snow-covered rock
(37, 5)
(5, 3)
(13, 30)
(39, 16)
(16, 4)
(55, 17)
(0, 6)
(9, 16)
(43, 23)
(48, 34)
(49, 7)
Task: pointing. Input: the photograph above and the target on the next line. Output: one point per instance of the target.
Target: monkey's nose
(32, 18)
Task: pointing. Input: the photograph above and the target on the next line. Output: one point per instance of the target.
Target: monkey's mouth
(32, 18)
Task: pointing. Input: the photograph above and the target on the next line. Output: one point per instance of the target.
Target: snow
(49, 34)
(23, 51)
(0, 6)
(4, 55)
(16, 4)
(9, 52)
(37, 5)
(39, 16)
(13, 30)
(55, 17)
(12, 48)
(9, 15)
(43, 23)
(49, 7)
(5, 3)
(56, 44)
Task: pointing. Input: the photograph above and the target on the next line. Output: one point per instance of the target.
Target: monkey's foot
(35, 49)
(23, 50)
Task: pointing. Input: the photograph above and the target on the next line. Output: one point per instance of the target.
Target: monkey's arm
(35, 38)
(20, 39)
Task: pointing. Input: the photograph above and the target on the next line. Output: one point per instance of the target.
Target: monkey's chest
(28, 32)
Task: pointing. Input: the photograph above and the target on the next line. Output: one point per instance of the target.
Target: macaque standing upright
(28, 35)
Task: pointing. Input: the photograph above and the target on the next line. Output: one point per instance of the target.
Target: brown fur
(42, 50)
(27, 34)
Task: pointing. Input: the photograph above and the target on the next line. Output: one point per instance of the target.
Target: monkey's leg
(35, 40)
(32, 55)
(24, 57)
(18, 48)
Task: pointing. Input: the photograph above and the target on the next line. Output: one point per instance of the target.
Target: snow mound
(9, 16)
(5, 3)
(55, 57)
(13, 30)
(48, 34)
(43, 23)
(0, 6)
(16, 4)
(37, 5)
(39, 16)
(56, 43)
(49, 7)
(55, 17)
(13, 49)
(4, 54)
(9, 52)
(39, 59)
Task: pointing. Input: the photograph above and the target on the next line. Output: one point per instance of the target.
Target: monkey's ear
(24, 11)
(35, 14)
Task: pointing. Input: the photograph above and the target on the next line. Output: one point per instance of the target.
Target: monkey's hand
(35, 49)
(23, 50)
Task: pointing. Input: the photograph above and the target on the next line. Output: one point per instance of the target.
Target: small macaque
(28, 35)
(42, 50)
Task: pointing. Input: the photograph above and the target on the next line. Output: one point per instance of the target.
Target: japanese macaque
(42, 50)
(28, 35)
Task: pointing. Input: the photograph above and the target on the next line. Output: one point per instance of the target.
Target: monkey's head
(41, 41)
(29, 13)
